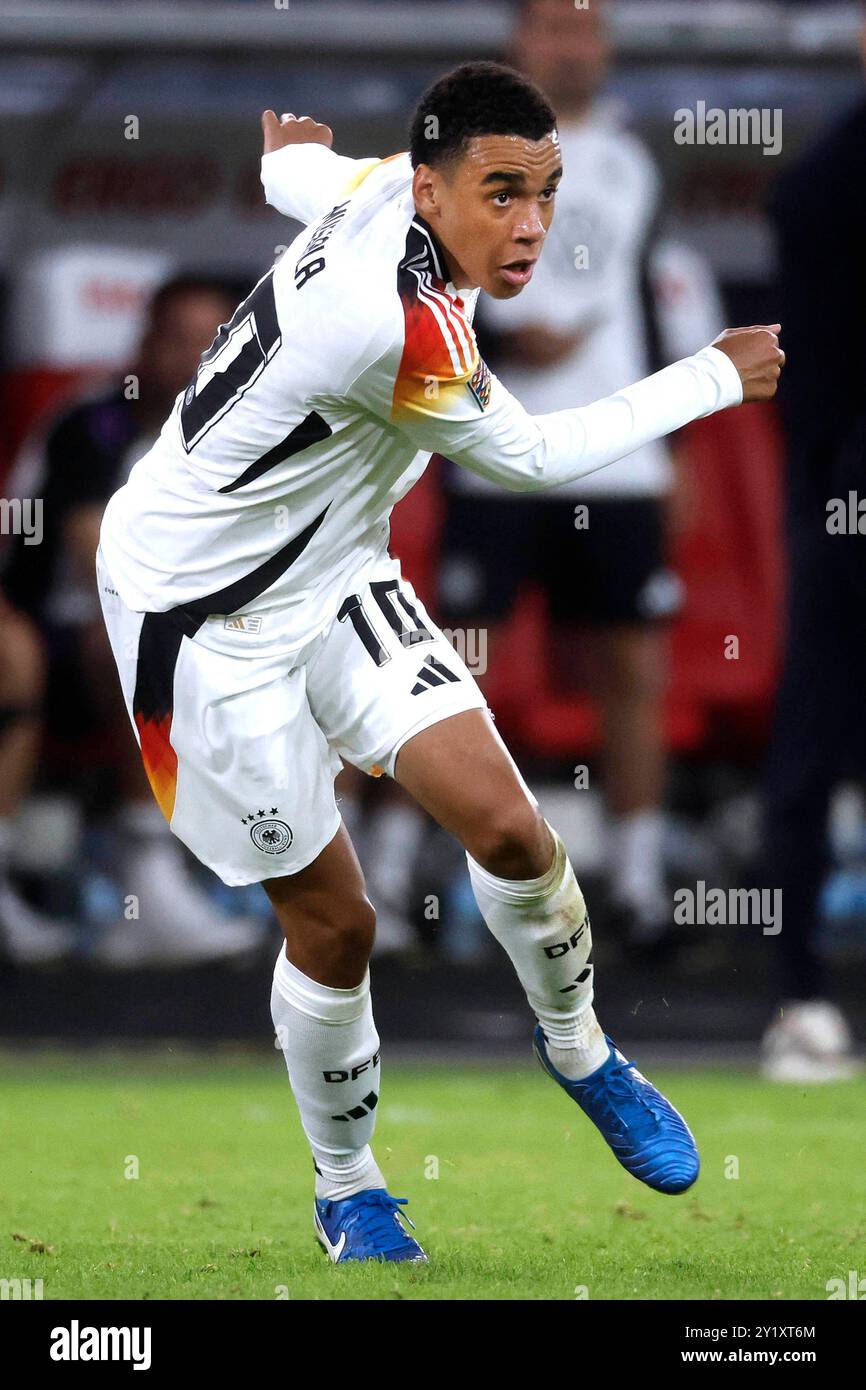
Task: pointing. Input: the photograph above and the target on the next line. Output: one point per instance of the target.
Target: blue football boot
(648, 1136)
(365, 1226)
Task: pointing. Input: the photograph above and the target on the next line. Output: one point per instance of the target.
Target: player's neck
(455, 273)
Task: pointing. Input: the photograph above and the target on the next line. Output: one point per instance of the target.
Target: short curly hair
(479, 98)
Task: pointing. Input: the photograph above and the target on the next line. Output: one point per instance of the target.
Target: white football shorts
(241, 751)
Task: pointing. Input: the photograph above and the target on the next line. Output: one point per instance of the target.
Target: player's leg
(26, 936)
(814, 745)
(396, 699)
(392, 717)
(623, 599)
(250, 750)
(631, 674)
(245, 777)
(626, 673)
(488, 550)
(462, 773)
(323, 1017)
(325, 915)
(179, 922)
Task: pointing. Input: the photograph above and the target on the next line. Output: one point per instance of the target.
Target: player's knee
(347, 926)
(514, 842)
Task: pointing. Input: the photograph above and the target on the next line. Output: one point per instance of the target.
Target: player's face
(493, 209)
(565, 50)
(181, 330)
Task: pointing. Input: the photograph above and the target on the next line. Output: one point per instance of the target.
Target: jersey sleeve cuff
(284, 173)
(728, 378)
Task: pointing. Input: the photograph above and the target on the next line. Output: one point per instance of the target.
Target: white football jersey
(268, 492)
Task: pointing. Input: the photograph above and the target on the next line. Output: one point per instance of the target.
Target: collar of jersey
(440, 255)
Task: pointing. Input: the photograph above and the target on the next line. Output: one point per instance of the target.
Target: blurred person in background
(87, 455)
(608, 302)
(27, 937)
(819, 736)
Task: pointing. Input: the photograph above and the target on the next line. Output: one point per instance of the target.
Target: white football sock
(636, 862)
(543, 925)
(395, 835)
(331, 1048)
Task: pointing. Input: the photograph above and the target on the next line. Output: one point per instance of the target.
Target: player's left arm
(301, 174)
(440, 394)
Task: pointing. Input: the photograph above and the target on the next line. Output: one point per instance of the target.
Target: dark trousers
(818, 736)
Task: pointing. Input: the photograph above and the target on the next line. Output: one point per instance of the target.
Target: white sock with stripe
(543, 925)
(331, 1047)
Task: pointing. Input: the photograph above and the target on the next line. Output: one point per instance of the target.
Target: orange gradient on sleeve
(427, 368)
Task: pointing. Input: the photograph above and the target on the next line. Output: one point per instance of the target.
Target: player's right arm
(437, 391)
(302, 176)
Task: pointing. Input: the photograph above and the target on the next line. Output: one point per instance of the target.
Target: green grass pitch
(514, 1193)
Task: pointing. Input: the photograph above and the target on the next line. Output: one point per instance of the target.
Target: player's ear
(424, 189)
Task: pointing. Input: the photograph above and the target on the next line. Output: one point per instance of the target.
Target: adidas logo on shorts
(432, 673)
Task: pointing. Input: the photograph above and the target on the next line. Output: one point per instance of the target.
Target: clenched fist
(756, 354)
(293, 130)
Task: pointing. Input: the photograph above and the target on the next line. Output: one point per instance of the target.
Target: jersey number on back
(238, 354)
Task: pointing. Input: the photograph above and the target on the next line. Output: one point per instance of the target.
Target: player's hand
(293, 130)
(756, 354)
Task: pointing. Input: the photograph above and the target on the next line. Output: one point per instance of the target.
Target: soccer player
(262, 632)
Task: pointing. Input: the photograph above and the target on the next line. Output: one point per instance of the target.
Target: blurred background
(674, 667)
